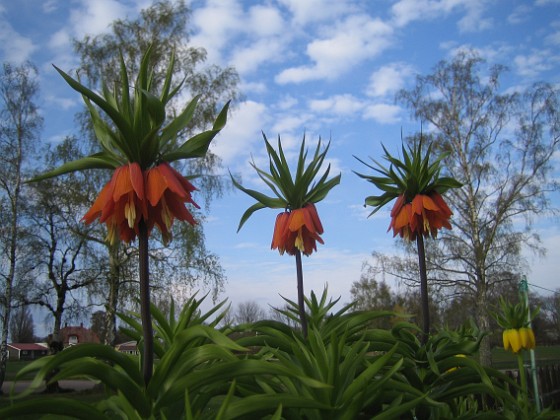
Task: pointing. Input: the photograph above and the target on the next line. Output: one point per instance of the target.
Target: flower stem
(523, 378)
(301, 300)
(144, 266)
(423, 288)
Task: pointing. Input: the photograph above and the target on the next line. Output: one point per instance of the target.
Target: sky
(324, 68)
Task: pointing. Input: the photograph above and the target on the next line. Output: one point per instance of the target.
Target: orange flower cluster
(297, 229)
(157, 196)
(424, 215)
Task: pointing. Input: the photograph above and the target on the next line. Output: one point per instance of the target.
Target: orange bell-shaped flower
(297, 229)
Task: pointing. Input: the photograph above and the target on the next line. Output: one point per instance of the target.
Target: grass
(502, 359)
(13, 367)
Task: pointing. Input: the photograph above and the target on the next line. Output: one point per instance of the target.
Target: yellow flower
(527, 338)
(512, 340)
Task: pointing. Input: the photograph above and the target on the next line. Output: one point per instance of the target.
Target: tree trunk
(55, 346)
(14, 207)
(483, 322)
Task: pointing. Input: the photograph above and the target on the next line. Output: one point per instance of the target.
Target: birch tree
(20, 128)
(500, 145)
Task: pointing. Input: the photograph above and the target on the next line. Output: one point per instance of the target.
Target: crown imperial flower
(416, 184)
(298, 227)
(139, 147)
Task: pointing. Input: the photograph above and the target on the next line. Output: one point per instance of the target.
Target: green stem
(301, 300)
(523, 378)
(423, 288)
(148, 354)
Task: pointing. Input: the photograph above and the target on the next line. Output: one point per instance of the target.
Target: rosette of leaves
(409, 176)
(515, 321)
(290, 191)
(199, 373)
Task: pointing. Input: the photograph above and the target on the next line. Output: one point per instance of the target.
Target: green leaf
(113, 113)
(45, 405)
(180, 122)
(97, 161)
(197, 146)
(248, 213)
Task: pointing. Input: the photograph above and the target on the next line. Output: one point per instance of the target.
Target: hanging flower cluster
(157, 196)
(298, 227)
(517, 334)
(416, 184)
(425, 214)
(139, 147)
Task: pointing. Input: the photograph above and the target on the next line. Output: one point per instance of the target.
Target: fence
(548, 379)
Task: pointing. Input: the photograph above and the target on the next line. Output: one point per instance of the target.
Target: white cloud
(520, 14)
(265, 21)
(338, 105)
(248, 60)
(95, 17)
(353, 40)
(50, 6)
(60, 39)
(389, 79)
(286, 124)
(473, 21)
(383, 113)
(221, 24)
(14, 47)
(86, 18)
(407, 11)
(287, 102)
(217, 23)
(310, 11)
(554, 37)
(242, 130)
(62, 103)
(252, 87)
(533, 64)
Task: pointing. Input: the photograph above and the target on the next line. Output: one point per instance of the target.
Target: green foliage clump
(343, 369)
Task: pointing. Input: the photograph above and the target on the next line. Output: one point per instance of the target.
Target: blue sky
(329, 68)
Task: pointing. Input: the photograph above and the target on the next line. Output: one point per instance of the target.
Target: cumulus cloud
(265, 21)
(407, 11)
(249, 59)
(382, 113)
(241, 131)
(353, 40)
(217, 23)
(520, 14)
(339, 105)
(221, 23)
(554, 37)
(311, 11)
(535, 63)
(50, 6)
(15, 48)
(94, 17)
(389, 79)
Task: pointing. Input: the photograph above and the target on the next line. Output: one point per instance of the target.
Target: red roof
(27, 346)
(84, 335)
